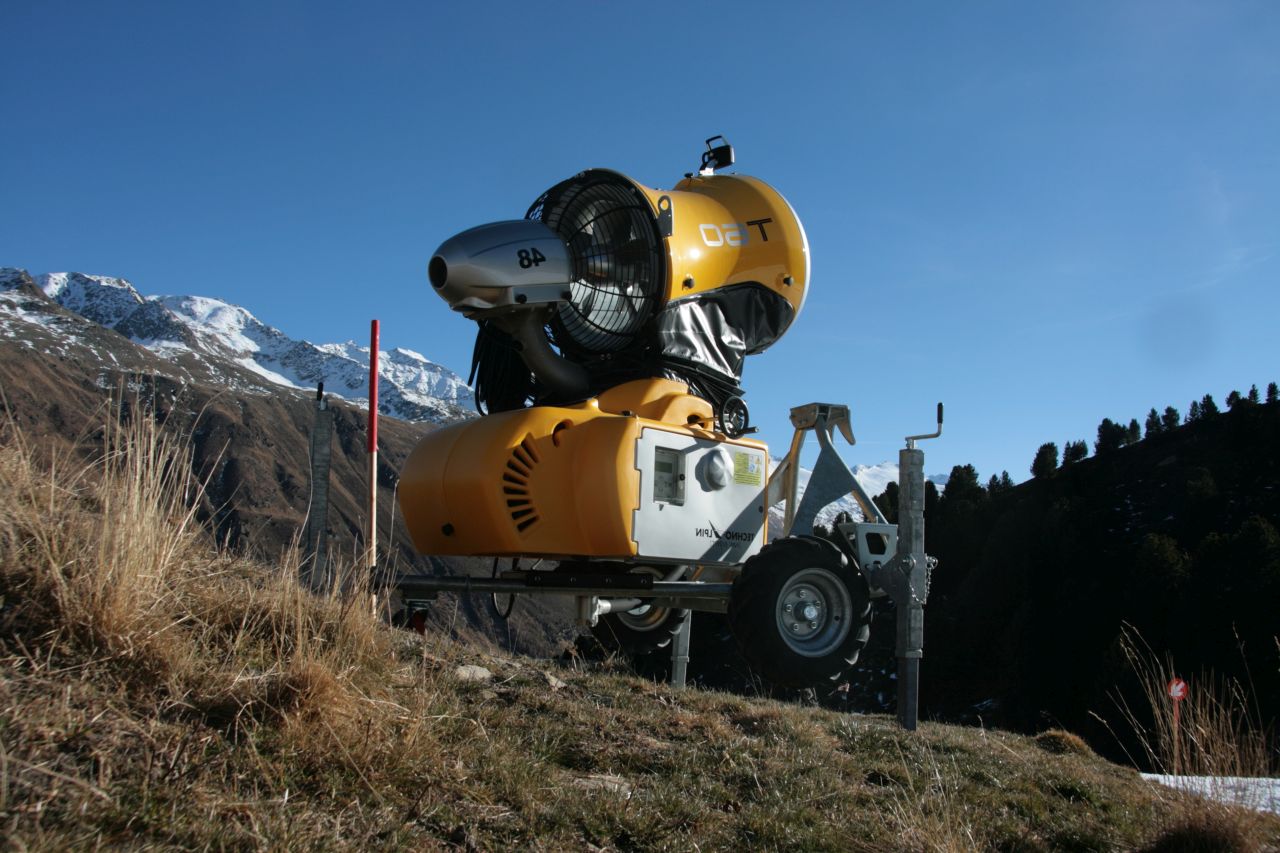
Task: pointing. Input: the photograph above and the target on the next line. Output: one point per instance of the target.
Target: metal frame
(691, 595)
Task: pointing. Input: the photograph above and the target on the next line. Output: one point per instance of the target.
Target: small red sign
(1177, 690)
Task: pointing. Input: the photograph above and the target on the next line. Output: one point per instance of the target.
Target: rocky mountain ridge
(188, 330)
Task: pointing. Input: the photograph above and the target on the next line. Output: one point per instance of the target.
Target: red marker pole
(1177, 691)
(1176, 706)
(372, 541)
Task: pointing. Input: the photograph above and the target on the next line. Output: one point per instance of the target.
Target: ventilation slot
(515, 485)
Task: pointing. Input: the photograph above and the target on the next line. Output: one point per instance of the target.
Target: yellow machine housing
(566, 482)
(728, 230)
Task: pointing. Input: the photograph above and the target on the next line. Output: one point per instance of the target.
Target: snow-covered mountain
(177, 328)
(102, 299)
(872, 478)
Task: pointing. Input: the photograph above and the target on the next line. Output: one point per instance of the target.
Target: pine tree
(1208, 408)
(1111, 436)
(1155, 426)
(1074, 451)
(1273, 393)
(1170, 419)
(1253, 394)
(1000, 485)
(1133, 434)
(1193, 413)
(963, 484)
(888, 500)
(1045, 462)
(1233, 400)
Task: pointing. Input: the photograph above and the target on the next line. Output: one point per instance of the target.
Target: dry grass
(1218, 731)
(113, 596)
(156, 693)
(1205, 830)
(1061, 742)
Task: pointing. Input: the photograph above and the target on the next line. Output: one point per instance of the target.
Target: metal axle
(537, 584)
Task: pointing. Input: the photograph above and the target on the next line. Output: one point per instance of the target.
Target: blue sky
(1041, 213)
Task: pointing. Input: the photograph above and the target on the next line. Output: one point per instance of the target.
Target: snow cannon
(614, 320)
(614, 451)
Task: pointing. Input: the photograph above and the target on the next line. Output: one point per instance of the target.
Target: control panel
(701, 501)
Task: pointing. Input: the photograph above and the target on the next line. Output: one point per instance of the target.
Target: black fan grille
(618, 268)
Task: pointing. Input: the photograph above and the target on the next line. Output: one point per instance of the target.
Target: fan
(617, 262)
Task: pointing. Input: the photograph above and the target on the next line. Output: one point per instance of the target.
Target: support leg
(680, 653)
(908, 692)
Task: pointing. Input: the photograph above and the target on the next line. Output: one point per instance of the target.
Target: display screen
(668, 475)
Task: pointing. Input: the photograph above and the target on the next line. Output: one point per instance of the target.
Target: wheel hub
(813, 612)
(646, 617)
(803, 610)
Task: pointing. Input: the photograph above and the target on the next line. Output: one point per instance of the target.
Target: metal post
(906, 576)
(914, 562)
(371, 542)
(680, 653)
(315, 568)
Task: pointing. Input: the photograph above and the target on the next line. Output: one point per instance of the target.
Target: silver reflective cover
(501, 265)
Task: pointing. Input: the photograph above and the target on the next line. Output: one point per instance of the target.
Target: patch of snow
(269, 375)
(164, 349)
(1259, 794)
(20, 312)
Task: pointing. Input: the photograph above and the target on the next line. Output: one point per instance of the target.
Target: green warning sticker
(748, 469)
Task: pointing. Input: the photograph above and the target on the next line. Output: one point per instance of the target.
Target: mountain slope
(1177, 536)
(249, 437)
(189, 328)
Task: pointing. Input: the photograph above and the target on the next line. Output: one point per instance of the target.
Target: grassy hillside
(251, 450)
(157, 693)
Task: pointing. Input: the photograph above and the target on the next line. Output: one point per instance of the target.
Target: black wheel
(801, 612)
(641, 630)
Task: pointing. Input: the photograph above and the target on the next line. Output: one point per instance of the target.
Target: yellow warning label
(748, 469)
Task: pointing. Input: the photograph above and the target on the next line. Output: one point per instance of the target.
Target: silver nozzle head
(501, 266)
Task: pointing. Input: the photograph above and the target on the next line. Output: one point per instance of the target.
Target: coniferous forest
(1172, 530)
